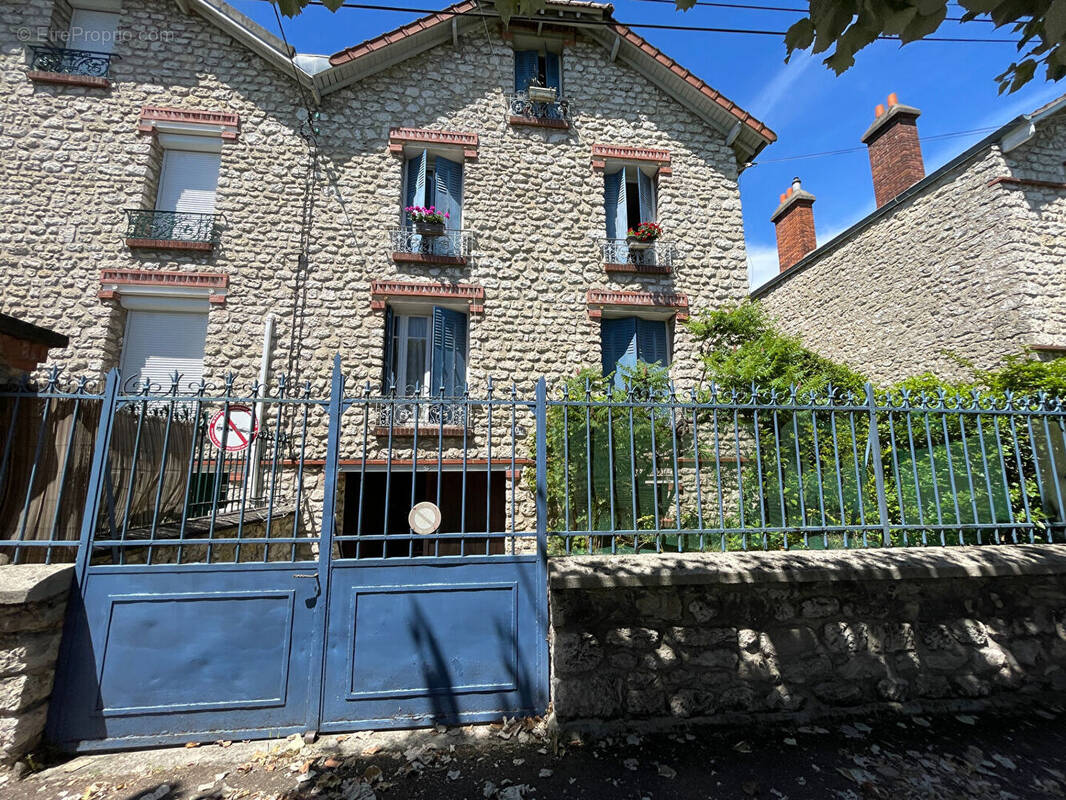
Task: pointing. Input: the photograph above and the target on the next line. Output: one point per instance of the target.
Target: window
(424, 352)
(185, 199)
(626, 340)
(158, 343)
(628, 199)
(537, 68)
(435, 181)
(92, 30)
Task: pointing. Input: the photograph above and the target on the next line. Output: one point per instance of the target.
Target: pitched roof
(595, 20)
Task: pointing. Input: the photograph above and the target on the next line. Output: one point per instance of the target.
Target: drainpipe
(260, 407)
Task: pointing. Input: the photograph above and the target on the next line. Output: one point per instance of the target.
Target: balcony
(524, 111)
(72, 67)
(432, 416)
(620, 256)
(172, 230)
(452, 248)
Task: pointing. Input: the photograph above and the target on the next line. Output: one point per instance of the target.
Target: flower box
(639, 244)
(429, 228)
(539, 94)
(643, 236)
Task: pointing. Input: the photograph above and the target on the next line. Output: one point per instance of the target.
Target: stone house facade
(185, 192)
(968, 261)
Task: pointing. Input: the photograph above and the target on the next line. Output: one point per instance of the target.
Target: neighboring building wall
(727, 638)
(1041, 230)
(532, 199)
(936, 275)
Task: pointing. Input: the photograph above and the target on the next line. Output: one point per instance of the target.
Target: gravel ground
(955, 756)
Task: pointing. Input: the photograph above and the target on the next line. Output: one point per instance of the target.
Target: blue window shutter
(449, 352)
(652, 346)
(387, 376)
(618, 345)
(614, 204)
(449, 175)
(415, 194)
(646, 191)
(552, 72)
(525, 69)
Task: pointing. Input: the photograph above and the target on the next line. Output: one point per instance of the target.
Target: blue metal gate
(223, 592)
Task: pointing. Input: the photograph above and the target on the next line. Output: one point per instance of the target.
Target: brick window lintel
(398, 137)
(382, 291)
(112, 282)
(647, 155)
(601, 299)
(226, 123)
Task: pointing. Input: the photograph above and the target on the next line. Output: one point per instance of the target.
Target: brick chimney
(895, 153)
(794, 221)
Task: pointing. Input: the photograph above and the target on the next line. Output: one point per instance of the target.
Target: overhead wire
(755, 7)
(863, 148)
(642, 25)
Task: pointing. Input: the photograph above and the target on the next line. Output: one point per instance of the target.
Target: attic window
(538, 88)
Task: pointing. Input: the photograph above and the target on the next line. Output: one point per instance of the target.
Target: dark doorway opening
(486, 498)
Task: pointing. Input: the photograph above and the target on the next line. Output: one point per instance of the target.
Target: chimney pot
(879, 110)
(895, 152)
(794, 225)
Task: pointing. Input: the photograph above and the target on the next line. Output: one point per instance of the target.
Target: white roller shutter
(159, 342)
(92, 30)
(188, 182)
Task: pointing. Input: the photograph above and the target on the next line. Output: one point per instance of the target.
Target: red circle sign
(239, 426)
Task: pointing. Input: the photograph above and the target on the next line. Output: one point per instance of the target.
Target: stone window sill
(637, 269)
(169, 244)
(420, 258)
(428, 430)
(65, 79)
(537, 122)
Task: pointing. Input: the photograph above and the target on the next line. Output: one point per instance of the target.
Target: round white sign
(239, 427)
(424, 518)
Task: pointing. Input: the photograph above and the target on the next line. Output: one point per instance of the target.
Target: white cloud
(775, 89)
(762, 264)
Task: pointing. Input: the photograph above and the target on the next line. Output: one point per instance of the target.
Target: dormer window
(538, 89)
(538, 69)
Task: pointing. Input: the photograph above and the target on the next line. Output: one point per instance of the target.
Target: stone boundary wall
(734, 637)
(33, 600)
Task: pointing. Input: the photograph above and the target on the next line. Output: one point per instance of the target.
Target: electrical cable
(863, 148)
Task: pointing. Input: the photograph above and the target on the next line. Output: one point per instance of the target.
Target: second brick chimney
(895, 153)
(794, 223)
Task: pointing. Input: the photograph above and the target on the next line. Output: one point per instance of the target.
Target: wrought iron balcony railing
(454, 243)
(173, 226)
(555, 112)
(405, 409)
(88, 63)
(659, 255)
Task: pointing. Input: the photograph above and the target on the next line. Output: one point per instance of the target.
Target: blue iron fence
(646, 472)
(617, 471)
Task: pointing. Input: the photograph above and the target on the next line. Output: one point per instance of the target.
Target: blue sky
(811, 109)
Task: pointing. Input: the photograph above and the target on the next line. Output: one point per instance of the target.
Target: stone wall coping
(33, 583)
(603, 572)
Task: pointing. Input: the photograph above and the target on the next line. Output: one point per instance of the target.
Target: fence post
(879, 472)
(541, 415)
(97, 473)
(325, 550)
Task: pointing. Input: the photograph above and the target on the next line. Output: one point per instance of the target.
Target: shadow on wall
(818, 647)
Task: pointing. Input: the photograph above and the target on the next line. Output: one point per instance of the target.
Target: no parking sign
(237, 424)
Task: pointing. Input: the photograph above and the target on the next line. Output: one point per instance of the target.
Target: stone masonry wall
(964, 268)
(33, 600)
(721, 637)
(532, 199)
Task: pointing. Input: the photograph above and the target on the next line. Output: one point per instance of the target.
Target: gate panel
(176, 653)
(416, 643)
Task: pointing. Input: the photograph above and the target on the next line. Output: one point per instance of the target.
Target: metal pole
(541, 416)
(879, 472)
(96, 474)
